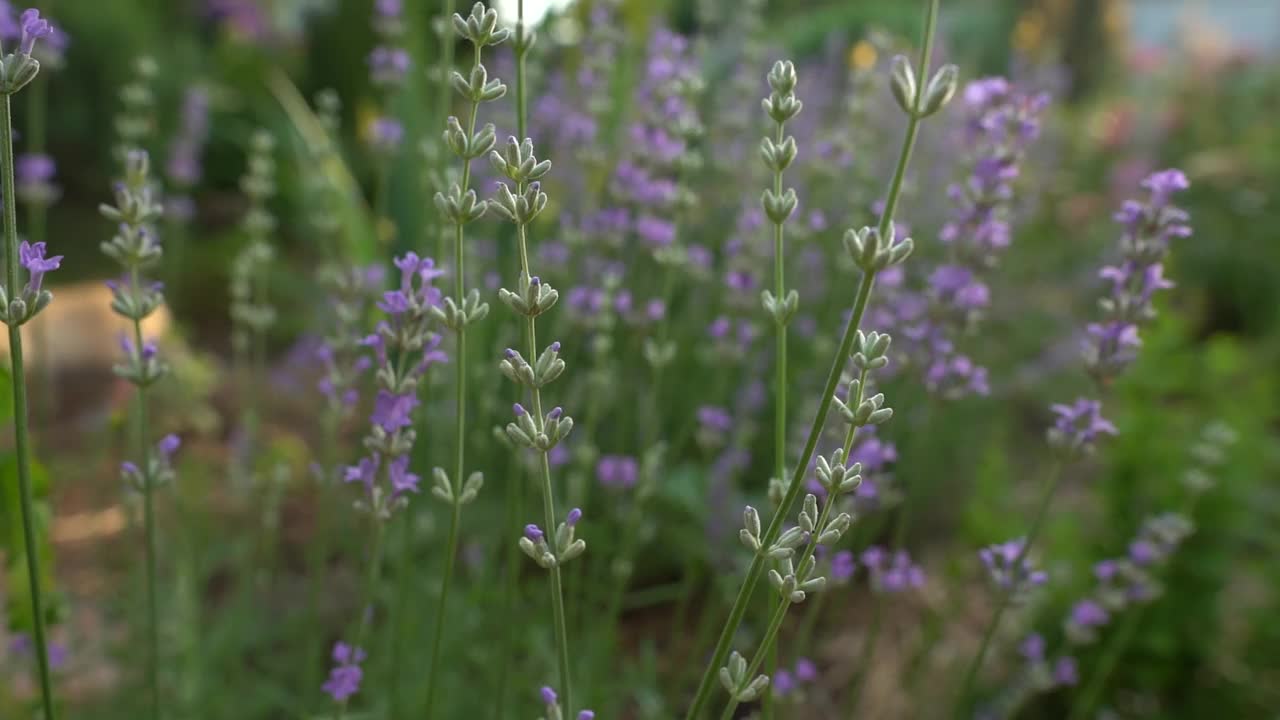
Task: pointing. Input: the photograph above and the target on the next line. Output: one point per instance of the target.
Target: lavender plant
(460, 207)
(136, 248)
(252, 314)
(873, 250)
(537, 431)
(17, 70)
(1111, 345)
(403, 349)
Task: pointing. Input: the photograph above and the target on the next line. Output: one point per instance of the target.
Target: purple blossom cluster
(891, 572)
(344, 679)
(1112, 344)
(403, 349)
(788, 682)
(184, 168)
(389, 66)
(1147, 229)
(1010, 569)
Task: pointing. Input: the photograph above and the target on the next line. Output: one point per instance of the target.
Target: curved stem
(21, 439)
(1006, 598)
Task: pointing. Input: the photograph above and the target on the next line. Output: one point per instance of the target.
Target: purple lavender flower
(34, 28)
(1147, 229)
(385, 134)
(891, 573)
(783, 683)
(393, 412)
(1065, 672)
(344, 678)
(843, 566)
(1085, 618)
(1010, 568)
(1032, 648)
(533, 532)
(617, 472)
(587, 715)
(1079, 425)
(548, 696)
(32, 258)
(573, 517)
(388, 66)
(806, 671)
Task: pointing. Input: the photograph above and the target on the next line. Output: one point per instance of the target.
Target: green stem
(548, 500)
(442, 605)
(22, 443)
(780, 385)
(404, 570)
(1087, 699)
(149, 525)
(370, 596)
(515, 511)
(1006, 597)
(460, 411)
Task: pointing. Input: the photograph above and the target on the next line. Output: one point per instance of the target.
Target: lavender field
(639, 359)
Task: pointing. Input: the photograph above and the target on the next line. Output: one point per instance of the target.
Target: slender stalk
(1054, 480)
(446, 66)
(1087, 698)
(149, 526)
(21, 439)
(442, 606)
(515, 485)
(548, 499)
(371, 592)
(833, 378)
(460, 410)
(780, 384)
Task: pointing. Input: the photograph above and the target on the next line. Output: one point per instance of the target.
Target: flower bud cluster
(252, 315)
(556, 551)
(778, 153)
(18, 68)
(136, 247)
(938, 92)
(735, 679)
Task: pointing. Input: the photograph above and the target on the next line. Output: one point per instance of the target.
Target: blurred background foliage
(1131, 95)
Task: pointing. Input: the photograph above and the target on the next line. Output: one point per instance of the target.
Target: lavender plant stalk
(136, 247)
(778, 153)
(537, 431)
(404, 347)
(524, 39)
(460, 207)
(252, 314)
(17, 69)
(1148, 228)
(873, 249)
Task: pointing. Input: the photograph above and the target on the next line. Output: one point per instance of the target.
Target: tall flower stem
(460, 411)
(515, 481)
(1051, 484)
(370, 594)
(149, 528)
(21, 438)
(548, 498)
(796, 485)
